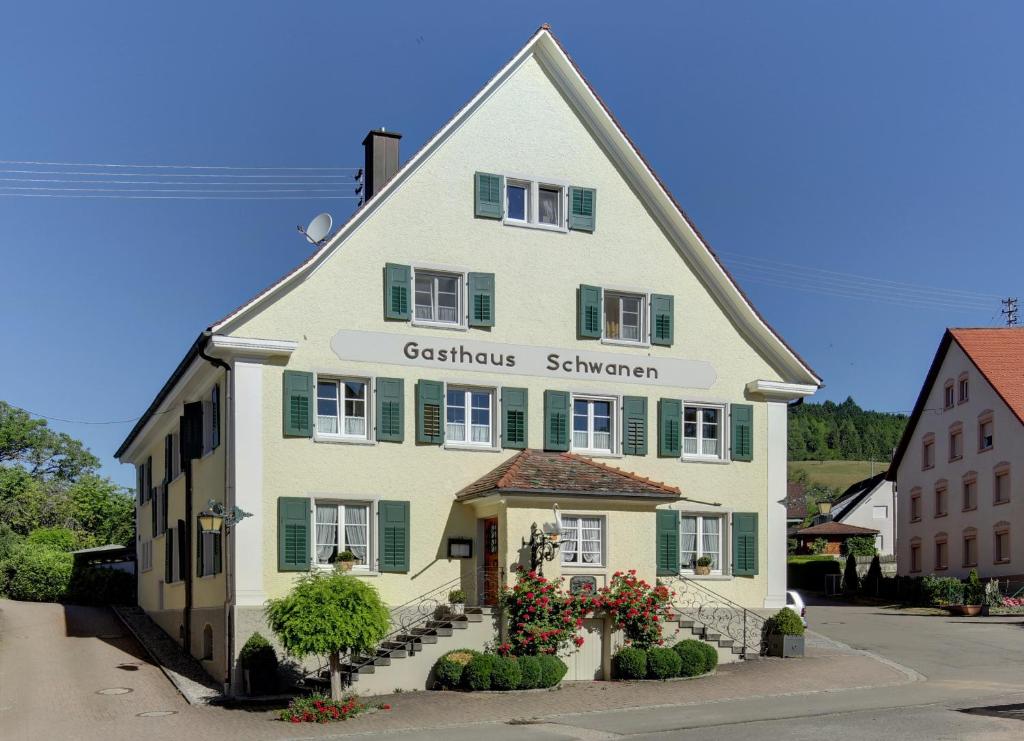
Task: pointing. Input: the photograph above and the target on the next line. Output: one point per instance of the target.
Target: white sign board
(458, 353)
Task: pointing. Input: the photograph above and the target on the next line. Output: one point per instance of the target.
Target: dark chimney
(381, 160)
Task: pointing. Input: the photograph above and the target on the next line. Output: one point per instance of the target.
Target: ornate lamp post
(216, 516)
(543, 542)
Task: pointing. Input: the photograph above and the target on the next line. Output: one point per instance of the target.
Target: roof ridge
(628, 474)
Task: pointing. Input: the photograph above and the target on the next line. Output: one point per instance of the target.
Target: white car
(796, 603)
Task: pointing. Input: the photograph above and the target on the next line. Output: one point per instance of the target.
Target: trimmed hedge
(531, 671)
(710, 656)
(552, 669)
(505, 673)
(630, 663)
(692, 658)
(449, 668)
(477, 674)
(663, 663)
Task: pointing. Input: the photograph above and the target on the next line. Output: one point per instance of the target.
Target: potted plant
(783, 634)
(345, 560)
(259, 666)
(972, 597)
(457, 601)
(703, 567)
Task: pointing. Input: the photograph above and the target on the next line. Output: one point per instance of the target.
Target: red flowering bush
(322, 709)
(637, 608)
(543, 617)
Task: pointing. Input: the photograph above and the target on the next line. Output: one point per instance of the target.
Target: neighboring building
(796, 504)
(835, 534)
(958, 467)
(867, 504)
(553, 330)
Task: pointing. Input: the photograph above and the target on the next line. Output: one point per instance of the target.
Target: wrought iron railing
(718, 614)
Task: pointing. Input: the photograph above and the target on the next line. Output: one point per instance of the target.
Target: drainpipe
(226, 441)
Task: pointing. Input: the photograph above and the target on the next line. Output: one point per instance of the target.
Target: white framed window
(536, 203)
(438, 298)
(964, 389)
(340, 527)
(986, 433)
(928, 452)
(956, 444)
(469, 416)
(700, 536)
(948, 395)
(703, 431)
(582, 541)
(341, 407)
(625, 317)
(593, 424)
(879, 543)
(146, 555)
(879, 511)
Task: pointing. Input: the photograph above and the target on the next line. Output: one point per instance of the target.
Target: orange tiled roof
(836, 528)
(540, 472)
(999, 355)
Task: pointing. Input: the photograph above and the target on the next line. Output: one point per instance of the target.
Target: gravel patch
(181, 668)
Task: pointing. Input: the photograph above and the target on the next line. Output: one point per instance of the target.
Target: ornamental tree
(329, 614)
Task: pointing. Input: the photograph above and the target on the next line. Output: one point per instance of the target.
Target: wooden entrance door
(490, 575)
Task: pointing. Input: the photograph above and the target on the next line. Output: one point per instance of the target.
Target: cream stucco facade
(535, 120)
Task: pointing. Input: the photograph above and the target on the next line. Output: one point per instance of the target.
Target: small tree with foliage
(859, 545)
(329, 614)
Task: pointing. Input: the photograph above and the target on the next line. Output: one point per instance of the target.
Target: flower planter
(701, 570)
(964, 610)
(786, 646)
(457, 608)
(344, 565)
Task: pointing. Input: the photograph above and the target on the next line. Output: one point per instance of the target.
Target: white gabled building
(519, 316)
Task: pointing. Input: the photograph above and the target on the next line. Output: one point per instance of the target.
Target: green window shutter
(588, 312)
(393, 529)
(168, 452)
(199, 550)
(169, 557)
(662, 319)
(557, 418)
(293, 534)
(430, 412)
(514, 417)
(153, 503)
(390, 409)
(217, 557)
(397, 279)
(744, 544)
(742, 432)
(666, 532)
(164, 498)
(481, 299)
(489, 190)
(215, 419)
(149, 478)
(298, 404)
(582, 209)
(670, 425)
(634, 425)
(182, 538)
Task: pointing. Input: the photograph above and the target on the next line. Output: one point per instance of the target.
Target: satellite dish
(318, 228)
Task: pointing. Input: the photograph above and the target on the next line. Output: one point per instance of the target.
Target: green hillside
(836, 474)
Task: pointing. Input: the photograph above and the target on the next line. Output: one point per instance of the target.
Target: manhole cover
(156, 713)
(115, 691)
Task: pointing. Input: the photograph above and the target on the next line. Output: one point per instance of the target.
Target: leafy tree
(57, 538)
(860, 545)
(830, 431)
(45, 454)
(101, 508)
(24, 504)
(329, 615)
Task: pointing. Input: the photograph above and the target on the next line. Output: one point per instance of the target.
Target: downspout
(226, 428)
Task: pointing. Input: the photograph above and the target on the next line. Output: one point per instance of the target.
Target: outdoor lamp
(215, 516)
(210, 522)
(824, 507)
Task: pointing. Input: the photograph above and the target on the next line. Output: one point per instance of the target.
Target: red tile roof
(836, 528)
(999, 355)
(539, 472)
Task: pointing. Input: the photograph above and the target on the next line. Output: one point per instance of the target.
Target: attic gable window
(624, 315)
(438, 298)
(539, 204)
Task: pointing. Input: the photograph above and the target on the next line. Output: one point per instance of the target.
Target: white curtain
(570, 531)
(326, 533)
(591, 540)
(687, 541)
(357, 531)
(712, 540)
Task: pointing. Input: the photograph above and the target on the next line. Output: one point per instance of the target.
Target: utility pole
(1010, 311)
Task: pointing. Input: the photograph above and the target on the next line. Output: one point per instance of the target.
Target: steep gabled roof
(997, 353)
(565, 74)
(850, 499)
(543, 473)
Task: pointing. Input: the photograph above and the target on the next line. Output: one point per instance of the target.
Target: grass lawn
(838, 474)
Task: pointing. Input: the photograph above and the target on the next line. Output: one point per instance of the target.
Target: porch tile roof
(539, 472)
(836, 528)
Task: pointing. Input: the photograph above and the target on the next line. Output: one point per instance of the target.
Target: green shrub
(9, 540)
(820, 545)
(57, 538)
(630, 663)
(692, 659)
(530, 668)
(477, 674)
(809, 572)
(859, 545)
(37, 573)
(663, 663)
(448, 669)
(97, 586)
(506, 673)
(710, 656)
(851, 582)
(552, 669)
(784, 622)
(942, 590)
(258, 654)
(974, 589)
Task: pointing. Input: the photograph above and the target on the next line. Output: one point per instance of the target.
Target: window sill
(970, 565)
(986, 450)
(573, 566)
(915, 519)
(956, 458)
(533, 225)
(969, 509)
(472, 448)
(928, 468)
(941, 514)
(625, 343)
(339, 440)
(702, 459)
(997, 502)
(452, 326)
(596, 453)
(208, 576)
(706, 577)
(942, 568)
(1001, 563)
(351, 572)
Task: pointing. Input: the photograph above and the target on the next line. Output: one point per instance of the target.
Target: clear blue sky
(876, 139)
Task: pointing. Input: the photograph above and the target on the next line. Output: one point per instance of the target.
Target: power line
(166, 167)
(87, 422)
(167, 190)
(345, 179)
(177, 198)
(1009, 311)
